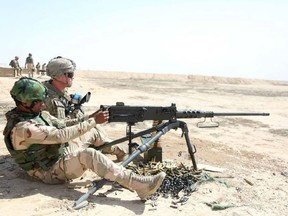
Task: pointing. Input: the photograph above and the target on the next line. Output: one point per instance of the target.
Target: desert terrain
(249, 153)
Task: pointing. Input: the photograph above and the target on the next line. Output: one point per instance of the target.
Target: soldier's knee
(87, 157)
(73, 167)
(91, 152)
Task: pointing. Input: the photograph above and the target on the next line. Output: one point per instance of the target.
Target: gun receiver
(133, 114)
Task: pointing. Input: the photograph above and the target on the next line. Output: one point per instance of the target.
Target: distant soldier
(29, 64)
(15, 64)
(44, 67)
(38, 68)
(43, 70)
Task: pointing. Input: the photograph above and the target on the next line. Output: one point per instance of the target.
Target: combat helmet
(59, 66)
(28, 90)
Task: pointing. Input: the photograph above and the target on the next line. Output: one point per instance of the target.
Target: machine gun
(134, 114)
(168, 114)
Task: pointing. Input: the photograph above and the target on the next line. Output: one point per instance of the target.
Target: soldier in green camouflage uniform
(61, 70)
(42, 150)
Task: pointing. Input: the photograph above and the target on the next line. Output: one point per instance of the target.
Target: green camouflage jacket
(57, 104)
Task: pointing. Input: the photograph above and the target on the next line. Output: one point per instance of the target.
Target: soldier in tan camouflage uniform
(14, 63)
(61, 70)
(42, 150)
(29, 65)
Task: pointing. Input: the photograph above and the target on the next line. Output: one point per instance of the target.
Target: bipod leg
(190, 146)
(129, 134)
(82, 201)
(142, 148)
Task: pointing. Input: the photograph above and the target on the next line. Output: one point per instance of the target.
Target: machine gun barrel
(209, 114)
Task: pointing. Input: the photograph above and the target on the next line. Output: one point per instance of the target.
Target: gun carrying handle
(212, 124)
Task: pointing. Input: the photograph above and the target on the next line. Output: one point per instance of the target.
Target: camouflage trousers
(17, 72)
(97, 137)
(30, 68)
(78, 158)
(74, 164)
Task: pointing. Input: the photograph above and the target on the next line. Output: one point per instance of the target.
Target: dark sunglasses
(70, 75)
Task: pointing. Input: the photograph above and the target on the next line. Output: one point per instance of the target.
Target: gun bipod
(165, 127)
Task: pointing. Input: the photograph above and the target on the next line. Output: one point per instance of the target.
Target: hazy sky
(236, 38)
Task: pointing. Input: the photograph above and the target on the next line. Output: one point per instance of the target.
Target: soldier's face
(66, 79)
(38, 106)
(69, 77)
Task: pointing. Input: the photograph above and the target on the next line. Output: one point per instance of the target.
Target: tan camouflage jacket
(29, 132)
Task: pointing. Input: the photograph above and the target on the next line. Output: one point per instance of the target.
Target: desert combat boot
(143, 185)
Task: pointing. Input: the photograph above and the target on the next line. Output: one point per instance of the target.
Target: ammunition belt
(179, 178)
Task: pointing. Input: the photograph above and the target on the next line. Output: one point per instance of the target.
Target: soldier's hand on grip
(100, 116)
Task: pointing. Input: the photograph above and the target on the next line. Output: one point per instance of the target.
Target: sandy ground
(251, 151)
